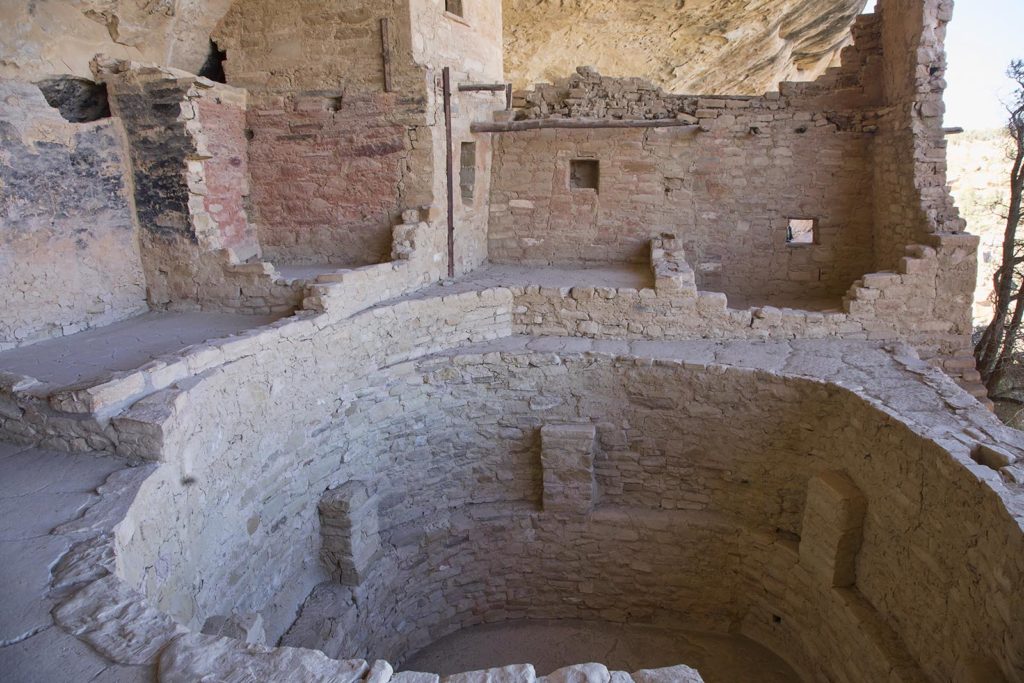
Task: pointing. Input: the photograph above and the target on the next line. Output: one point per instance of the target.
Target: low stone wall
(78, 418)
(893, 306)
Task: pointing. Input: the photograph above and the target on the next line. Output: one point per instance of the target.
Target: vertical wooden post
(450, 167)
(508, 97)
(385, 50)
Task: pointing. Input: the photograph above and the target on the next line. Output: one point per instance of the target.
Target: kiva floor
(550, 645)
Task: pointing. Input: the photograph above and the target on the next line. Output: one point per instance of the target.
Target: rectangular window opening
(467, 172)
(802, 231)
(453, 7)
(584, 174)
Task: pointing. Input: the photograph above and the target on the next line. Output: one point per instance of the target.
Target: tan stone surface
(405, 456)
(708, 46)
(62, 274)
(55, 37)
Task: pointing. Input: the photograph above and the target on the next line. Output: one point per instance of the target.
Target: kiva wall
(69, 254)
(448, 448)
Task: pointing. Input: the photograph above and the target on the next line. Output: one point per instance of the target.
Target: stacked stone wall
(452, 448)
(332, 173)
(727, 193)
(727, 186)
(186, 144)
(860, 150)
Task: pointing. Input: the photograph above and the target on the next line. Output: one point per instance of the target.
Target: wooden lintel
(539, 124)
(385, 47)
(446, 81)
(477, 87)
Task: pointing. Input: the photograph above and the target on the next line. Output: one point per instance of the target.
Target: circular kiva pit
(775, 520)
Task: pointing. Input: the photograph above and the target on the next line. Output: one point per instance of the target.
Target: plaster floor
(91, 355)
(39, 491)
(550, 645)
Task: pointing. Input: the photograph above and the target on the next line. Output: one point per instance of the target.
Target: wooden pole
(385, 47)
(586, 124)
(450, 167)
(482, 87)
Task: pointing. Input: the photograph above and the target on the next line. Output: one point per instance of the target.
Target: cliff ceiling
(707, 46)
(685, 46)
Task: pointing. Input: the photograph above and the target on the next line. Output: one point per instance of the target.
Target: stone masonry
(589, 352)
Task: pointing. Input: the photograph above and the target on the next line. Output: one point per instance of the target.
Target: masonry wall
(471, 46)
(727, 193)
(860, 149)
(913, 198)
(684, 532)
(186, 146)
(727, 179)
(451, 446)
(69, 254)
(334, 157)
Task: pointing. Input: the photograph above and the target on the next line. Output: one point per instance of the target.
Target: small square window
(802, 231)
(584, 174)
(453, 7)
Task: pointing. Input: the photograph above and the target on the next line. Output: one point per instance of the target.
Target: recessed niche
(467, 172)
(802, 231)
(453, 7)
(584, 174)
(78, 100)
(213, 67)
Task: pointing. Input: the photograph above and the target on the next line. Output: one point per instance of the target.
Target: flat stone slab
(127, 345)
(39, 490)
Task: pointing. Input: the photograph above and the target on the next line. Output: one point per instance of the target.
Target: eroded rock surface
(691, 46)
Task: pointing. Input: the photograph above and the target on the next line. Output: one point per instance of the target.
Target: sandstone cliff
(685, 46)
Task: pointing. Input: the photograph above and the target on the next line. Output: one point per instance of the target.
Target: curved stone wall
(702, 466)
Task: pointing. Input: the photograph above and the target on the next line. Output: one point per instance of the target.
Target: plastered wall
(69, 254)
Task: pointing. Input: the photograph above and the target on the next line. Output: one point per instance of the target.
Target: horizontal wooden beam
(476, 87)
(540, 124)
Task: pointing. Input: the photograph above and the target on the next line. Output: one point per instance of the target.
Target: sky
(982, 39)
